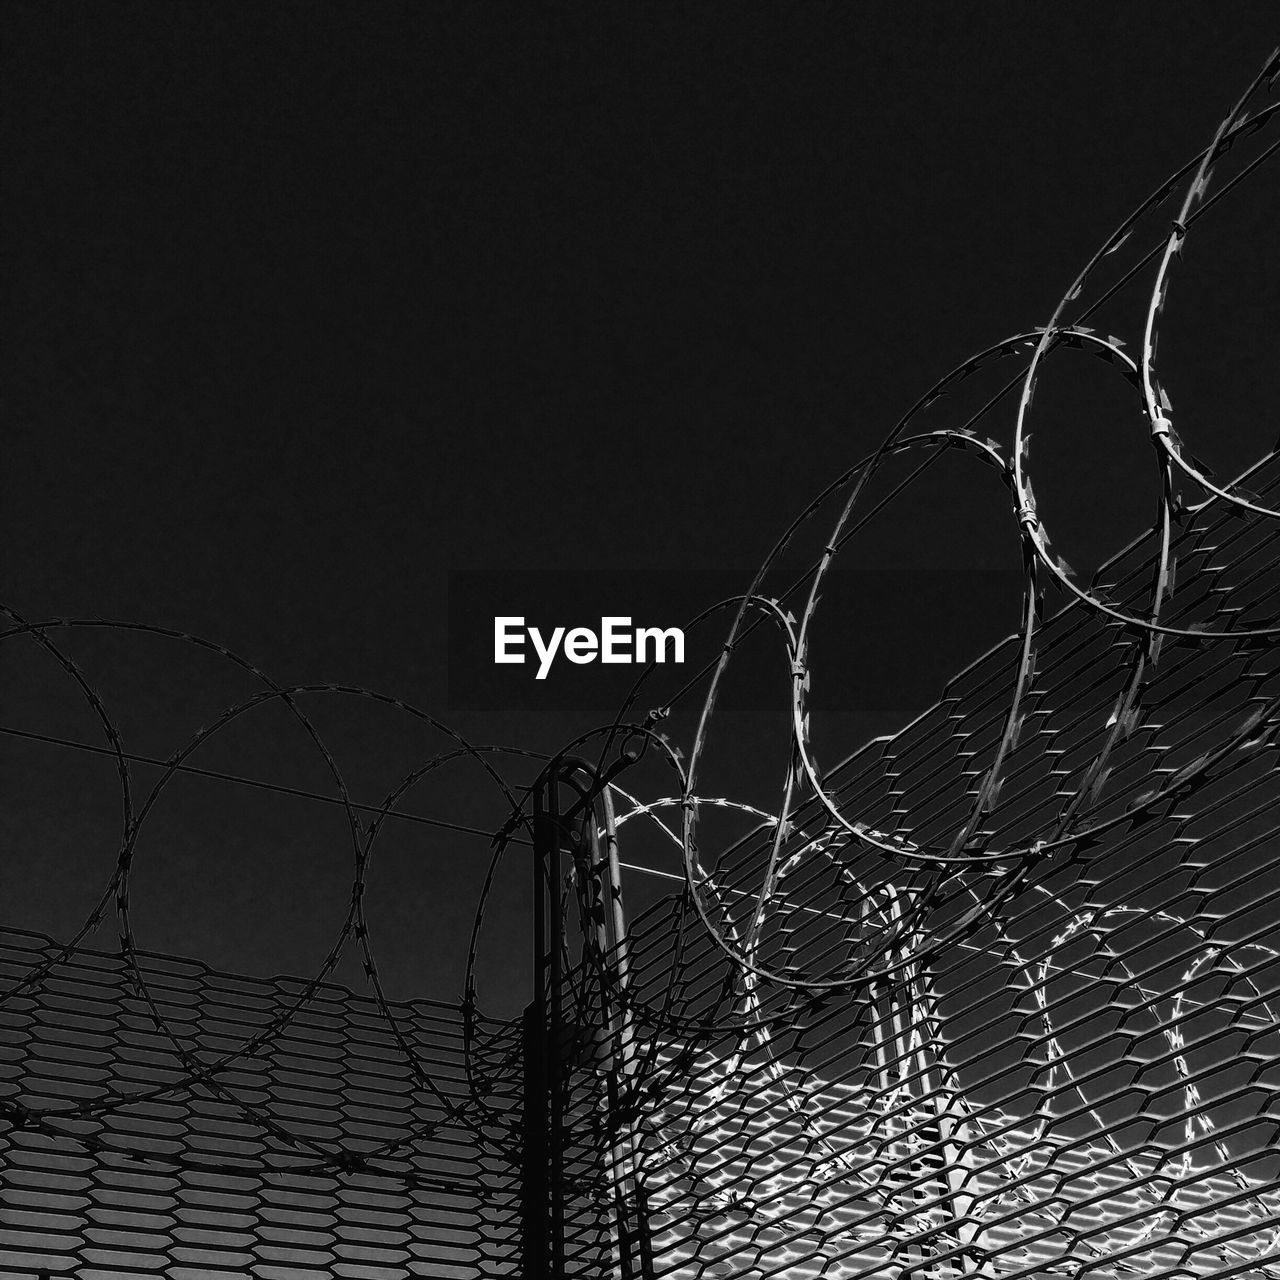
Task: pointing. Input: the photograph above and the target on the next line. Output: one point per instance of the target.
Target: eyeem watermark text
(875, 647)
(615, 642)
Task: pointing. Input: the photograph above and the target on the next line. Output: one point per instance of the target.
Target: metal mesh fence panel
(1084, 1082)
(319, 1155)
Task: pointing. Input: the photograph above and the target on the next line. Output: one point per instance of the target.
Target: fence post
(541, 1172)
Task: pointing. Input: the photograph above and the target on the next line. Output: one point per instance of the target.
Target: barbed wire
(827, 906)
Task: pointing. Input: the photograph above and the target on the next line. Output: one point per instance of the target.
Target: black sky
(310, 304)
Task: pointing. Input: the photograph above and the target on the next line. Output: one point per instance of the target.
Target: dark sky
(310, 304)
